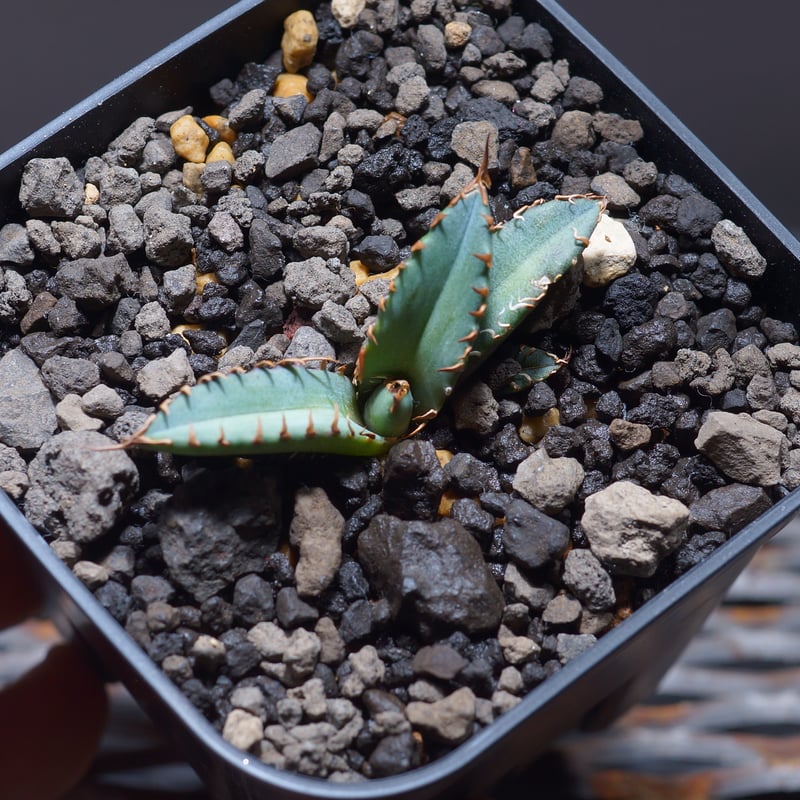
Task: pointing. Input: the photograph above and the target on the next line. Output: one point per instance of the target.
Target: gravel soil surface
(351, 618)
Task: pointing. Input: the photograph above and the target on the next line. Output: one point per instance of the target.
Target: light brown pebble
(628, 435)
(299, 42)
(456, 34)
(189, 140)
(221, 151)
(287, 84)
(191, 176)
(221, 126)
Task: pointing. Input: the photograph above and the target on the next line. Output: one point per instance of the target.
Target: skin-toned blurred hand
(51, 718)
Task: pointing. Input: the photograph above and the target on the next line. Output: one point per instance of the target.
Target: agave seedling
(467, 284)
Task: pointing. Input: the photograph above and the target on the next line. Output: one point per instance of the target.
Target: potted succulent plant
(419, 584)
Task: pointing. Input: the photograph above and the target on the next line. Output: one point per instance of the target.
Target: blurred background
(727, 69)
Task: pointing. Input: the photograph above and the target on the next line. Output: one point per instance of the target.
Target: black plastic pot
(590, 691)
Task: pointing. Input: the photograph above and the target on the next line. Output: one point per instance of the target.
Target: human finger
(19, 593)
(52, 719)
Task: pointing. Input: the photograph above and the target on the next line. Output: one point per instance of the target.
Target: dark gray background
(727, 68)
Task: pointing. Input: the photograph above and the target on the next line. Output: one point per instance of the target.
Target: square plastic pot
(590, 691)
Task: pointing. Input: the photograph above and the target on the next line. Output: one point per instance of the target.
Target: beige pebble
(346, 12)
(456, 34)
(91, 194)
(191, 176)
(610, 254)
(288, 84)
(221, 151)
(189, 139)
(299, 42)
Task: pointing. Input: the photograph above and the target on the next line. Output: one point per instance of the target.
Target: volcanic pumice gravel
(351, 618)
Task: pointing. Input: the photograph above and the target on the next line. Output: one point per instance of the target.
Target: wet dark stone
(586, 365)
(729, 508)
(778, 331)
(358, 206)
(377, 253)
(710, 277)
(241, 657)
(541, 190)
(716, 329)
(198, 694)
(391, 166)
(415, 131)
(495, 502)
(650, 468)
(479, 676)
(631, 299)
(413, 480)
(115, 599)
(598, 452)
(608, 341)
(253, 600)
(394, 754)
(216, 615)
(696, 216)
(507, 449)
(661, 211)
(291, 611)
(748, 336)
(470, 514)
(531, 538)
(737, 295)
(686, 426)
(699, 547)
(561, 440)
(572, 406)
(541, 398)
(658, 411)
(360, 518)
(680, 484)
(648, 342)
(509, 125)
(351, 580)
(356, 622)
(609, 406)
(734, 401)
(166, 644)
(221, 525)
(432, 574)
(356, 54)
(206, 342)
(216, 310)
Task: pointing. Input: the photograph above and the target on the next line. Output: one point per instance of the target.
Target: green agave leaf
(283, 408)
(425, 329)
(535, 365)
(529, 252)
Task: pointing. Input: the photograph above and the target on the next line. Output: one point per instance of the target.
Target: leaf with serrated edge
(285, 408)
(425, 329)
(529, 253)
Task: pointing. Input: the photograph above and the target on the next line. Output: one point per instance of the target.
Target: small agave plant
(468, 283)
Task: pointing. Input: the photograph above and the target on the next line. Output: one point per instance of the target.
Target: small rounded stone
(189, 140)
(456, 34)
(221, 151)
(287, 84)
(299, 42)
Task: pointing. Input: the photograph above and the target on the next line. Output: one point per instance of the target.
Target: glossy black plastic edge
(618, 671)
